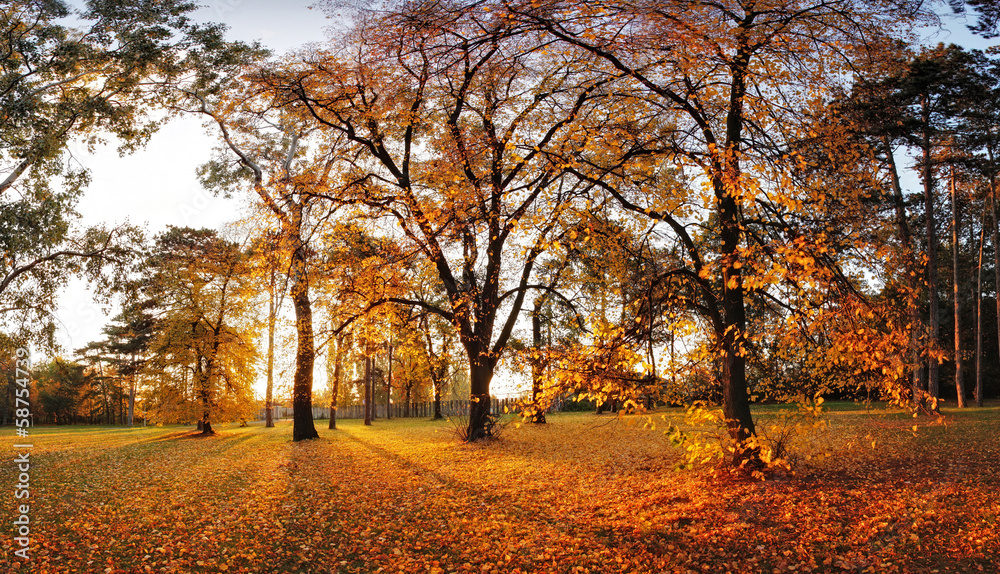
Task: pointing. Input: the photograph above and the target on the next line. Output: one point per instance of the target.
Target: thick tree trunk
(732, 339)
(305, 355)
(537, 370)
(735, 399)
(957, 293)
(205, 424)
(480, 376)
(933, 379)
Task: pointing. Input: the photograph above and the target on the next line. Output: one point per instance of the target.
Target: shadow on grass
(404, 462)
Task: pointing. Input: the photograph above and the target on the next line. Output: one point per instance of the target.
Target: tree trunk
(406, 407)
(733, 379)
(335, 388)
(480, 376)
(368, 390)
(388, 384)
(203, 376)
(933, 380)
(131, 399)
(305, 355)
(979, 317)
(996, 248)
(956, 293)
(732, 338)
(205, 424)
(272, 316)
(537, 374)
(438, 378)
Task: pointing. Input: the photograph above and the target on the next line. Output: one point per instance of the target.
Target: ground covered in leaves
(584, 493)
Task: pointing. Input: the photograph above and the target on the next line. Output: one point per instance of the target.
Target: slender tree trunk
(368, 390)
(933, 379)
(272, 315)
(957, 293)
(388, 384)
(438, 380)
(996, 248)
(979, 317)
(406, 407)
(305, 355)
(335, 388)
(132, 384)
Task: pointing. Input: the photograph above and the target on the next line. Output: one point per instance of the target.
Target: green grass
(583, 493)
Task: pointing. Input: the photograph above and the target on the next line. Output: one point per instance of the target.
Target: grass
(581, 494)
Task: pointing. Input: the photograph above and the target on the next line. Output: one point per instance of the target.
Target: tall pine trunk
(131, 399)
(996, 250)
(957, 293)
(979, 317)
(933, 379)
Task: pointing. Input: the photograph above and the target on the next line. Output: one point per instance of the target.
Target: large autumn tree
(720, 93)
(449, 120)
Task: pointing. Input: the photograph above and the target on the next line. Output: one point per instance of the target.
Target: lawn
(584, 493)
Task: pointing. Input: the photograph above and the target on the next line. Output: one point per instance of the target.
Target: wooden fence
(417, 410)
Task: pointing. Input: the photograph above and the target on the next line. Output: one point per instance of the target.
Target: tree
(127, 344)
(445, 123)
(266, 257)
(721, 93)
(58, 84)
(202, 288)
(272, 156)
(61, 386)
(979, 135)
(988, 23)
